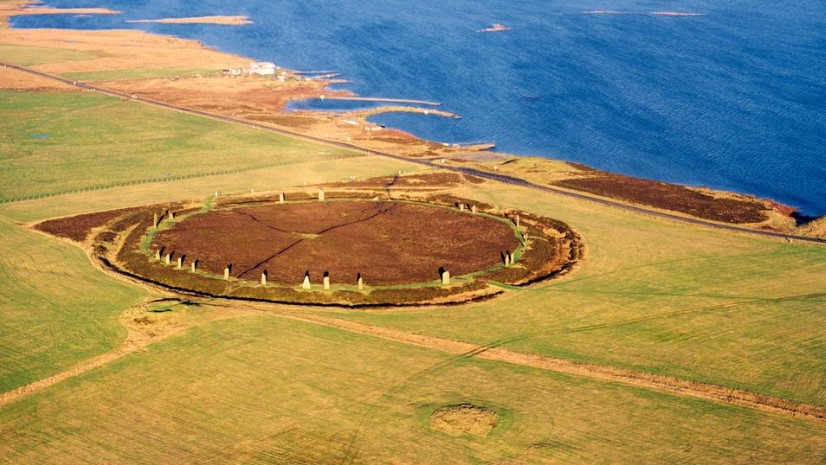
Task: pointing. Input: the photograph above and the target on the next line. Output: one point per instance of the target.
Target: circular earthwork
(461, 419)
(384, 242)
(348, 251)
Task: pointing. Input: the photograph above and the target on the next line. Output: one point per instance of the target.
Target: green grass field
(142, 73)
(268, 390)
(24, 55)
(663, 298)
(54, 309)
(62, 142)
(652, 295)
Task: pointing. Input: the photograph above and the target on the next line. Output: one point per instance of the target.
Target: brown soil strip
(661, 383)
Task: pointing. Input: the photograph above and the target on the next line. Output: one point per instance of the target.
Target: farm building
(263, 68)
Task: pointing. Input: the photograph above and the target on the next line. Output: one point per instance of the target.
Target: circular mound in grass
(384, 242)
(457, 420)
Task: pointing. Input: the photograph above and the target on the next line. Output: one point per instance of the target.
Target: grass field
(138, 74)
(54, 309)
(27, 56)
(652, 295)
(63, 142)
(268, 390)
(660, 297)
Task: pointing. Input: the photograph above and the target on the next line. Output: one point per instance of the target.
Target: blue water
(733, 99)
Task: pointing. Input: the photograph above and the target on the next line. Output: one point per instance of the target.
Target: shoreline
(320, 123)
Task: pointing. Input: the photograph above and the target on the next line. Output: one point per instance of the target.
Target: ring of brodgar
(353, 249)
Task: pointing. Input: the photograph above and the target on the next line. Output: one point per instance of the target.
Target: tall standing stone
(360, 282)
(445, 278)
(473, 209)
(158, 254)
(281, 198)
(171, 215)
(321, 195)
(306, 283)
(226, 272)
(264, 278)
(168, 258)
(517, 221)
(194, 265)
(180, 262)
(461, 206)
(326, 281)
(155, 220)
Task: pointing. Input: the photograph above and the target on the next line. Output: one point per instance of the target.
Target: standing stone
(508, 259)
(306, 283)
(445, 278)
(158, 254)
(473, 209)
(226, 273)
(517, 221)
(360, 282)
(264, 278)
(326, 281)
(321, 195)
(194, 265)
(180, 262)
(281, 198)
(168, 258)
(171, 215)
(525, 236)
(461, 206)
(155, 221)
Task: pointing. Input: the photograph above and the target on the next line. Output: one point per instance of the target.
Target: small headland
(222, 20)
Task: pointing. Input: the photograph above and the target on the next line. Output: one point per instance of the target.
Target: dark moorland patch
(78, 227)
(668, 197)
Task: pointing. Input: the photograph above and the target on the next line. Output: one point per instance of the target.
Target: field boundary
(493, 351)
(661, 383)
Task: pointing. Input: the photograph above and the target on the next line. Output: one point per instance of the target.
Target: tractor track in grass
(505, 179)
(493, 351)
(661, 383)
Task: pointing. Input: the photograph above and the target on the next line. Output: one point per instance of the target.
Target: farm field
(59, 140)
(263, 389)
(54, 312)
(225, 382)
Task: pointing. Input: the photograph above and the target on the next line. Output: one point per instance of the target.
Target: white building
(263, 68)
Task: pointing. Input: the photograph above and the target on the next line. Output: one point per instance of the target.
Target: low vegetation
(56, 143)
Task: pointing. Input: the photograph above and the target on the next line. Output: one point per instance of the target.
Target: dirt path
(661, 383)
(139, 336)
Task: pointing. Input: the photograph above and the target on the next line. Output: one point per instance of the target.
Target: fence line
(172, 178)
